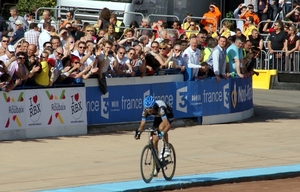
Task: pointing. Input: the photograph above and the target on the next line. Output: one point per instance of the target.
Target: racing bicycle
(151, 163)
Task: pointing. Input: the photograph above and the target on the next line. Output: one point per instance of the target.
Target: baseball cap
(51, 62)
(244, 5)
(11, 48)
(18, 22)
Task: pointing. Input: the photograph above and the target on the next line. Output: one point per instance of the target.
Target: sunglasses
(250, 8)
(42, 57)
(21, 58)
(58, 53)
(89, 31)
(122, 53)
(82, 47)
(4, 41)
(162, 48)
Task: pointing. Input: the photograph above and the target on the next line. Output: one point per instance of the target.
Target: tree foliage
(25, 6)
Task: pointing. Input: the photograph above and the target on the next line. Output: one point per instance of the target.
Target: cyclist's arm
(142, 125)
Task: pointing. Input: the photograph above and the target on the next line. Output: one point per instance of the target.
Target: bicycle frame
(153, 150)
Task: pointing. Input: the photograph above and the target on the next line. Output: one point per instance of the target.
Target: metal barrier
(159, 15)
(282, 62)
(262, 60)
(49, 8)
(217, 26)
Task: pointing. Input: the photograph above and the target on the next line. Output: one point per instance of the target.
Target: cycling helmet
(149, 101)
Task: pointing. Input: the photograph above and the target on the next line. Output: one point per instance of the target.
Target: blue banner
(188, 99)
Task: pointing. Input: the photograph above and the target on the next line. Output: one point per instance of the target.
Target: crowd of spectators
(52, 51)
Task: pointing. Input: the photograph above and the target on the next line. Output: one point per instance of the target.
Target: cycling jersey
(161, 109)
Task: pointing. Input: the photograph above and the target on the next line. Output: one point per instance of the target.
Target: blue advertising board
(188, 99)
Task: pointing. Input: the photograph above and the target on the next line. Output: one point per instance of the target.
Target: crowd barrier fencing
(165, 16)
(282, 62)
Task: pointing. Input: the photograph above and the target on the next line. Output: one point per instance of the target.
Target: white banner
(43, 108)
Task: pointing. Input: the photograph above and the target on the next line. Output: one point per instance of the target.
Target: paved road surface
(268, 139)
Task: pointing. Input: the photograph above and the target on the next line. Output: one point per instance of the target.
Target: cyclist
(163, 118)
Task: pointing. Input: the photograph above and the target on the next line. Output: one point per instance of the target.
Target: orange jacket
(255, 17)
(213, 15)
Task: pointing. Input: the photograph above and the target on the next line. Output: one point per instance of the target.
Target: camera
(110, 52)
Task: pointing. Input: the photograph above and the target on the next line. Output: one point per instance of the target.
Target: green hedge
(25, 6)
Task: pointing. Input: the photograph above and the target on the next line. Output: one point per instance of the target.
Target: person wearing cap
(14, 17)
(212, 16)
(18, 34)
(250, 12)
(242, 8)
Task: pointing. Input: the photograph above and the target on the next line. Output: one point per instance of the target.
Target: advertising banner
(40, 108)
(188, 99)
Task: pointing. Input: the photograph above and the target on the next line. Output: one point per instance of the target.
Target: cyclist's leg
(165, 127)
(156, 123)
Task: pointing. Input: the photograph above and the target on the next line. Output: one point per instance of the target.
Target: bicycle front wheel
(147, 164)
(169, 164)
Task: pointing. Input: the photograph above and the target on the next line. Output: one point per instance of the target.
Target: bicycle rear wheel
(169, 164)
(147, 164)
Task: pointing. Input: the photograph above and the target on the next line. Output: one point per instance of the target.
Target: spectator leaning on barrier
(192, 56)
(32, 35)
(291, 45)
(217, 59)
(235, 56)
(138, 62)
(178, 60)
(106, 58)
(212, 16)
(276, 43)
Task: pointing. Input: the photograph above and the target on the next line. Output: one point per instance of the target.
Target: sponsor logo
(9, 98)
(15, 119)
(226, 95)
(55, 97)
(35, 106)
(181, 99)
(234, 96)
(56, 116)
(76, 105)
(105, 106)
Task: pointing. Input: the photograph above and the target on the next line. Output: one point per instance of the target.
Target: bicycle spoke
(169, 164)
(147, 164)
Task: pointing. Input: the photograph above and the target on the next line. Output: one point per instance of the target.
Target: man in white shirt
(44, 36)
(105, 58)
(84, 54)
(192, 57)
